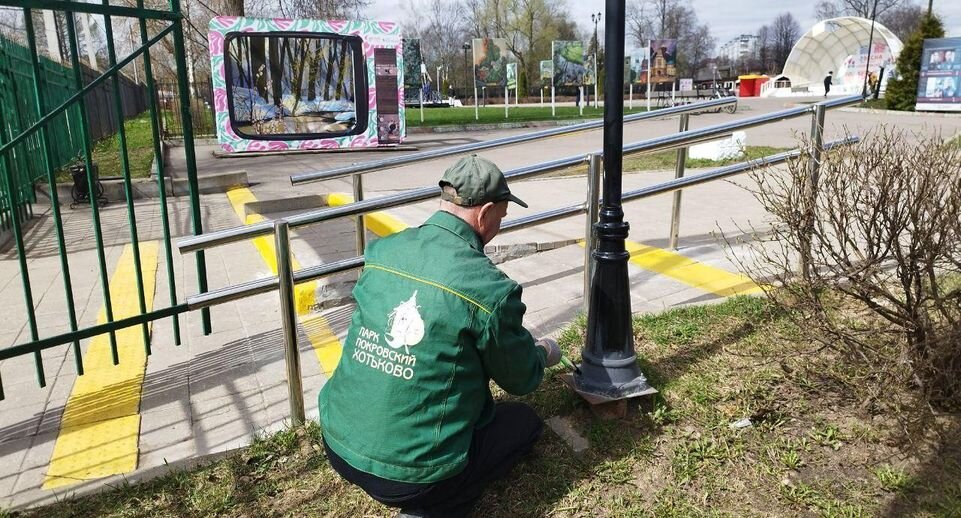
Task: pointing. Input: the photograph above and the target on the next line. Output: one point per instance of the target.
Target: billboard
(851, 71)
(663, 61)
(412, 62)
(547, 70)
(490, 62)
(570, 63)
(939, 84)
(512, 75)
(638, 69)
(283, 84)
(627, 69)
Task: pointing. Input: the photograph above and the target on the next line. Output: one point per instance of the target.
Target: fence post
(594, 169)
(678, 173)
(361, 229)
(811, 187)
(288, 313)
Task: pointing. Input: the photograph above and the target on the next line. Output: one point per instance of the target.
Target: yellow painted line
(326, 346)
(693, 273)
(100, 428)
(380, 223)
(699, 275)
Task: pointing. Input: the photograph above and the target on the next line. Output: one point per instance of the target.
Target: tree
(902, 20)
(672, 19)
(833, 8)
(785, 32)
(902, 89)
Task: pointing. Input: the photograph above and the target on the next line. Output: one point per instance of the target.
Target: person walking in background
(827, 82)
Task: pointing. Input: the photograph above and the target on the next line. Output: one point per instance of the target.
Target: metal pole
(678, 173)
(609, 362)
(595, 163)
(288, 312)
(811, 189)
(361, 228)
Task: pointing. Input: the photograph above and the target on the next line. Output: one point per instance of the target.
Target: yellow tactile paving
(100, 427)
(699, 275)
(380, 223)
(326, 346)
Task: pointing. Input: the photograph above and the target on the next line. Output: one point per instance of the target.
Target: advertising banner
(490, 62)
(512, 76)
(412, 63)
(663, 61)
(638, 68)
(851, 72)
(627, 69)
(939, 85)
(547, 70)
(570, 63)
(686, 84)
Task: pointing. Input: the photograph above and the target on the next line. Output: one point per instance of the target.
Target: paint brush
(570, 365)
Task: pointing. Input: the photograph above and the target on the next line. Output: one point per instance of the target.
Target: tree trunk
(258, 64)
(233, 8)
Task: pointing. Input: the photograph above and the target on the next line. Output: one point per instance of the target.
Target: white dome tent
(838, 45)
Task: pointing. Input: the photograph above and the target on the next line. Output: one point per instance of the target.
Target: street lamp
(609, 363)
(867, 66)
(596, 18)
(466, 47)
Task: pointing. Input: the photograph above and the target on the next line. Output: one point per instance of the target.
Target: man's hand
(552, 349)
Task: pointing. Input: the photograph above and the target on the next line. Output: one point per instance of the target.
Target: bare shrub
(880, 231)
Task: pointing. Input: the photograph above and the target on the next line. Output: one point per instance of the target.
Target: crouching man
(408, 414)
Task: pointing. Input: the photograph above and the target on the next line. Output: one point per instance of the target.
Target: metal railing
(50, 104)
(287, 279)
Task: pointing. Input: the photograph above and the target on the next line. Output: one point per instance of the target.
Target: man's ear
(485, 211)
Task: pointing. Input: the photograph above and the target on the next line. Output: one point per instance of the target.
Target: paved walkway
(211, 394)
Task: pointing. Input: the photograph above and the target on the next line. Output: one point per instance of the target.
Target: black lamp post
(609, 367)
(596, 18)
(867, 66)
(466, 47)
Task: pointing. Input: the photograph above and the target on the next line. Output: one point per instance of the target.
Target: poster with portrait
(939, 84)
(512, 76)
(663, 60)
(490, 62)
(570, 63)
(638, 65)
(686, 84)
(547, 70)
(627, 69)
(412, 63)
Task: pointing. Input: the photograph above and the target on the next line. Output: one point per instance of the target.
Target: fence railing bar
(12, 194)
(707, 133)
(90, 332)
(221, 237)
(82, 7)
(81, 92)
(54, 195)
(91, 186)
(393, 162)
(193, 187)
(725, 172)
(161, 180)
(127, 184)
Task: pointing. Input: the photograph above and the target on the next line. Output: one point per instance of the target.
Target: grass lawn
(106, 152)
(875, 104)
(494, 114)
(812, 448)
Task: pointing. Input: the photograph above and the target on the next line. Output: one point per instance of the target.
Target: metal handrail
(389, 163)
(222, 237)
(268, 284)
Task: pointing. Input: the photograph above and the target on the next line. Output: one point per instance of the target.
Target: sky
(727, 19)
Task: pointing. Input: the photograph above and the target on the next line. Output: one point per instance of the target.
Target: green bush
(902, 89)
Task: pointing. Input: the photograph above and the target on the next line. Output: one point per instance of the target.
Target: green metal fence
(47, 119)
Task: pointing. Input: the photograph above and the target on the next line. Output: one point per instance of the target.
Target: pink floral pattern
(374, 34)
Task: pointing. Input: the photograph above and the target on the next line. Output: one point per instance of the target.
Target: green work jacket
(435, 322)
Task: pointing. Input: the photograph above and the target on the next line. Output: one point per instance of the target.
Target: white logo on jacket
(406, 325)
